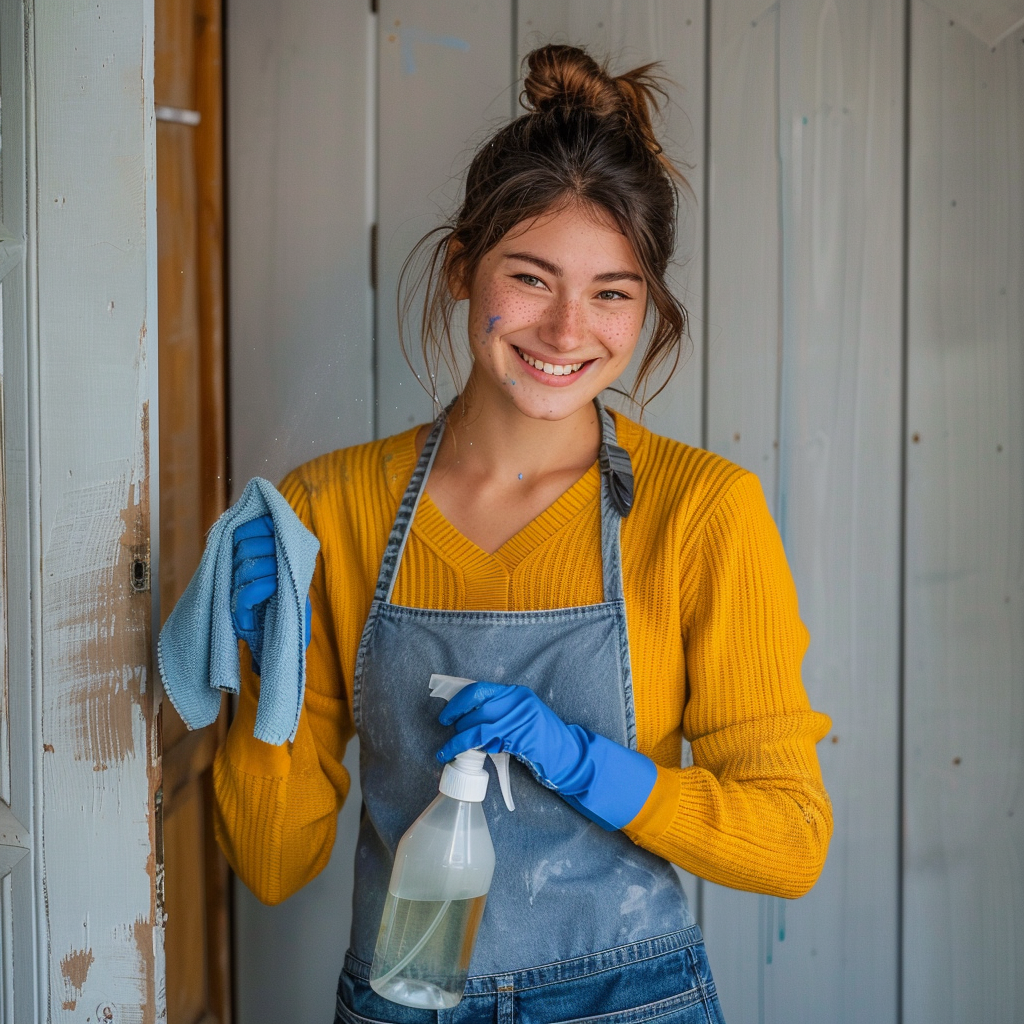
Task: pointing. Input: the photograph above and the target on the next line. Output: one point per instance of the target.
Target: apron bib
(563, 887)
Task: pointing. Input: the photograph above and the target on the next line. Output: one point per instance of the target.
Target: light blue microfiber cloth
(198, 650)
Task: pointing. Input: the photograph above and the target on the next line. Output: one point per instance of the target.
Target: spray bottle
(439, 883)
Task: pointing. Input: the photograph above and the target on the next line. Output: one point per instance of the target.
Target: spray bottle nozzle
(446, 687)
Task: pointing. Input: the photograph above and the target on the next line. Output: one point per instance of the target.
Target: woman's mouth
(550, 369)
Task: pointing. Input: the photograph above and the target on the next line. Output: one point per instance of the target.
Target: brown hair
(587, 138)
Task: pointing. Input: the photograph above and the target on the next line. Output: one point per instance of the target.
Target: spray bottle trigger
(501, 766)
(446, 687)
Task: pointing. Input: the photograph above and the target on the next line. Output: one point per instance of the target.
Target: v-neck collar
(434, 528)
(431, 526)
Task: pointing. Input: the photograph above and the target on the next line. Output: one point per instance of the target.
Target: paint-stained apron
(568, 900)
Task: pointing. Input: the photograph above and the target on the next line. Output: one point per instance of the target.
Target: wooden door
(192, 477)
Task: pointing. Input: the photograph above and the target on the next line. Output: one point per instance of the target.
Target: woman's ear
(457, 285)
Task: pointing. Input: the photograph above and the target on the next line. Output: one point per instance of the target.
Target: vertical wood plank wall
(964, 857)
(459, 50)
(811, 363)
(672, 32)
(806, 246)
(299, 106)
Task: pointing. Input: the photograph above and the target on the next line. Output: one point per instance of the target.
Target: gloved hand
(600, 778)
(254, 582)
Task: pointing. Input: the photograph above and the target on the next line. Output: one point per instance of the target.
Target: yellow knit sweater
(715, 645)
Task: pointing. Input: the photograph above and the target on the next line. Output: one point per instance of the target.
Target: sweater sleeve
(276, 807)
(751, 812)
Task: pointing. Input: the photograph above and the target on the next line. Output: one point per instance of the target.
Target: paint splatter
(411, 36)
(520, 476)
(491, 321)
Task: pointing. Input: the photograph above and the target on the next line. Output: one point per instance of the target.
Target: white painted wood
(990, 20)
(628, 35)
(14, 841)
(289, 957)
(77, 486)
(839, 491)
(963, 883)
(806, 280)
(23, 960)
(744, 245)
(445, 81)
(744, 344)
(300, 306)
(300, 186)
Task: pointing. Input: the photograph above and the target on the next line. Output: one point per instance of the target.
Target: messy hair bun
(587, 138)
(566, 76)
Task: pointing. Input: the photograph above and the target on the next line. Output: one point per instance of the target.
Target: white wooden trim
(23, 899)
(90, 297)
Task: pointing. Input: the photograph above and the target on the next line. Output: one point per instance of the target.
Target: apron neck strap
(616, 501)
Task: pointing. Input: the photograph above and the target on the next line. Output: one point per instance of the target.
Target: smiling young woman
(555, 312)
(618, 596)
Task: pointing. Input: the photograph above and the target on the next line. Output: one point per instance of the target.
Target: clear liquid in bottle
(423, 950)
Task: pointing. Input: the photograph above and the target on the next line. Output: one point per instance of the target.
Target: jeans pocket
(357, 1003)
(672, 988)
(685, 1008)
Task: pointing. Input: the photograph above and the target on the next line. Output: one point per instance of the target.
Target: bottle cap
(446, 687)
(465, 777)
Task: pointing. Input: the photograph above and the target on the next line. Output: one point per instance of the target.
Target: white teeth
(555, 369)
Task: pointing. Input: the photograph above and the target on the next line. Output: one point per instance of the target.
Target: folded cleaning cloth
(198, 650)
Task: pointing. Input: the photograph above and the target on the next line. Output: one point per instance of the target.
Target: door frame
(79, 312)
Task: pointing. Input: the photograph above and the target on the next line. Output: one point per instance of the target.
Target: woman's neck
(489, 438)
(497, 470)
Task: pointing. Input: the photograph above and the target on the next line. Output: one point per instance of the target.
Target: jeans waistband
(564, 970)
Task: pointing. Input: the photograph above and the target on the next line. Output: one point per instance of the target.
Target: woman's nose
(564, 325)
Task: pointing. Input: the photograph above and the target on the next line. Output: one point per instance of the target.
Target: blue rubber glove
(254, 582)
(600, 778)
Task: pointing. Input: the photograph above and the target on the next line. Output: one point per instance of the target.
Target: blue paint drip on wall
(411, 36)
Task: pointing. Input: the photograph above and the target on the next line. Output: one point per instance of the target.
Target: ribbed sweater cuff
(659, 809)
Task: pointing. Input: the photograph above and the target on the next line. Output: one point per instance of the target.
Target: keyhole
(140, 575)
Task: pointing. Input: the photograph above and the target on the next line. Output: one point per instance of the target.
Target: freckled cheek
(500, 310)
(620, 332)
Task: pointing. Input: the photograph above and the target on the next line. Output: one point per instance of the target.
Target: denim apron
(578, 922)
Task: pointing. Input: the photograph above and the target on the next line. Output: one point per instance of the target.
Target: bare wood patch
(75, 969)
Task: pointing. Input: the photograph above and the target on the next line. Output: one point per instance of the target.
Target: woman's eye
(529, 279)
(610, 294)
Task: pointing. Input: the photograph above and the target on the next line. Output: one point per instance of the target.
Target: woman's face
(555, 311)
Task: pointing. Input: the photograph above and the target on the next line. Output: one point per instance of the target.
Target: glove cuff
(611, 783)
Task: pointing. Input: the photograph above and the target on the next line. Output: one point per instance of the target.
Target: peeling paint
(103, 626)
(75, 969)
(142, 933)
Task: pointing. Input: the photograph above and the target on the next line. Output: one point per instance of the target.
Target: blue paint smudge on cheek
(490, 324)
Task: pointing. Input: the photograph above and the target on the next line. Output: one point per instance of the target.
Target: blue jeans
(665, 980)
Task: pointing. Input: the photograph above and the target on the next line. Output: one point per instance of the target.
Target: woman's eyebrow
(619, 275)
(556, 271)
(551, 268)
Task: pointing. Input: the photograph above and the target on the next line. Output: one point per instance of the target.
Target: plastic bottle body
(443, 869)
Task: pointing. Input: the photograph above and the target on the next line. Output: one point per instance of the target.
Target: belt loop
(505, 990)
